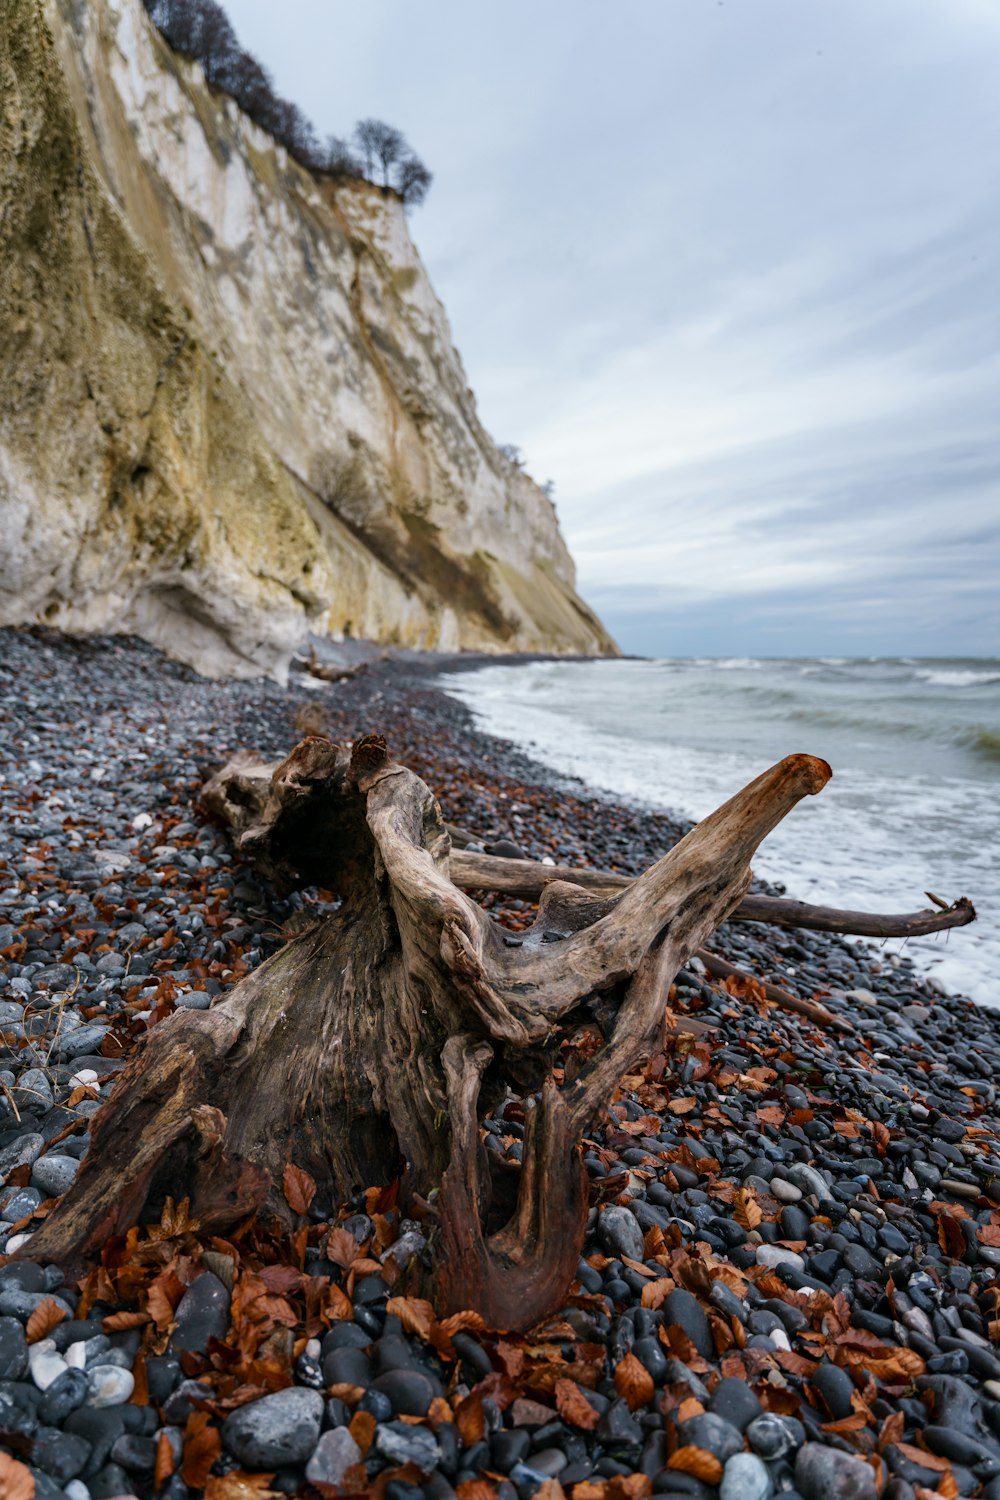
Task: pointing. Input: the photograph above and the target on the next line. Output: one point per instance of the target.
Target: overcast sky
(728, 272)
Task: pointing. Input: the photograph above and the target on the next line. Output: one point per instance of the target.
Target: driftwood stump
(370, 1046)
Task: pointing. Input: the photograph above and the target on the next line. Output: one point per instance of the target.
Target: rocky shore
(790, 1279)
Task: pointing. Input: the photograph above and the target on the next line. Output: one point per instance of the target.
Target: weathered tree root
(527, 878)
(369, 1046)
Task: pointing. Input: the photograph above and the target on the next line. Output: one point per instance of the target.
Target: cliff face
(230, 409)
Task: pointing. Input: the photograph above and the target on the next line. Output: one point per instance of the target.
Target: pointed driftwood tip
(370, 754)
(814, 771)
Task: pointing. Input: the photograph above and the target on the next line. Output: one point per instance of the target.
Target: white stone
(141, 821)
(15, 1243)
(777, 1255)
(76, 1355)
(109, 1385)
(745, 1478)
(45, 1363)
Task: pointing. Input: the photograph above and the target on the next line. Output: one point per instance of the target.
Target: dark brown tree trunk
(370, 1046)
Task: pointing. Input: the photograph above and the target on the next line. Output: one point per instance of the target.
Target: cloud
(729, 275)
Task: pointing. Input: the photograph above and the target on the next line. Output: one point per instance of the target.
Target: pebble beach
(789, 1284)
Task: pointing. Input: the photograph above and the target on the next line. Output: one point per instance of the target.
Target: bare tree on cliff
(380, 145)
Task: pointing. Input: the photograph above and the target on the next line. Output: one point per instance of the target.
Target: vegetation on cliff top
(376, 153)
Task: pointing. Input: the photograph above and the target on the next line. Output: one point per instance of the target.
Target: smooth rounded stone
(109, 1385)
(823, 1473)
(777, 1255)
(20, 1204)
(549, 1461)
(202, 1314)
(33, 1091)
(54, 1175)
(727, 1302)
(961, 1449)
(344, 1336)
(372, 1401)
(393, 1352)
(347, 1366)
(785, 1192)
(137, 1454)
(63, 1455)
(713, 1433)
(735, 1401)
(863, 1264)
(67, 1392)
(333, 1455)
(15, 1303)
(959, 1189)
(774, 1437)
(682, 1310)
(649, 1352)
(279, 1429)
(619, 1233)
(794, 1222)
(46, 1363)
(410, 1391)
(24, 1275)
(13, 1350)
(22, 1152)
(809, 1180)
(194, 1000)
(836, 1387)
(404, 1444)
(745, 1478)
(508, 1447)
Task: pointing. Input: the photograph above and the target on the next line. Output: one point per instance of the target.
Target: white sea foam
(894, 822)
(957, 679)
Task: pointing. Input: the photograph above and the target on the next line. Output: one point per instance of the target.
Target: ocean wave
(985, 743)
(964, 677)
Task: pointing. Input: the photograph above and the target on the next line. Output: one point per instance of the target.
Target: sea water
(914, 804)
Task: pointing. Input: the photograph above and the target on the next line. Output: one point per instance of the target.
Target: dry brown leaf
(697, 1462)
(16, 1480)
(573, 1405)
(121, 1322)
(300, 1188)
(655, 1293)
(682, 1106)
(475, 1489)
(892, 1430)
(344, 1391)
(633, 1381)
(692, 1407)
(770, 1114)
(164, 1460)
(362, 1429)
(460, 1322)
(416, 1315)
(439, 1413)
(746, 1210)
(342, 1248)
(921, 1456)
(470, 1419)
(239, 1486)
(551, 1489)
(46, 1316)
(202, 1446)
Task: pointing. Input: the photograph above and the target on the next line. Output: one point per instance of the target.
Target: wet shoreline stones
(874, 1158)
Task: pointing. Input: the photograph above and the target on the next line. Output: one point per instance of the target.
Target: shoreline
(873, 1159)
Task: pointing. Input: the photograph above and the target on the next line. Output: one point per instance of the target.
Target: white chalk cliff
(230, 409)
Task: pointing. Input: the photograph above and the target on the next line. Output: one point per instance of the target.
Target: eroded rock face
(230, 409)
